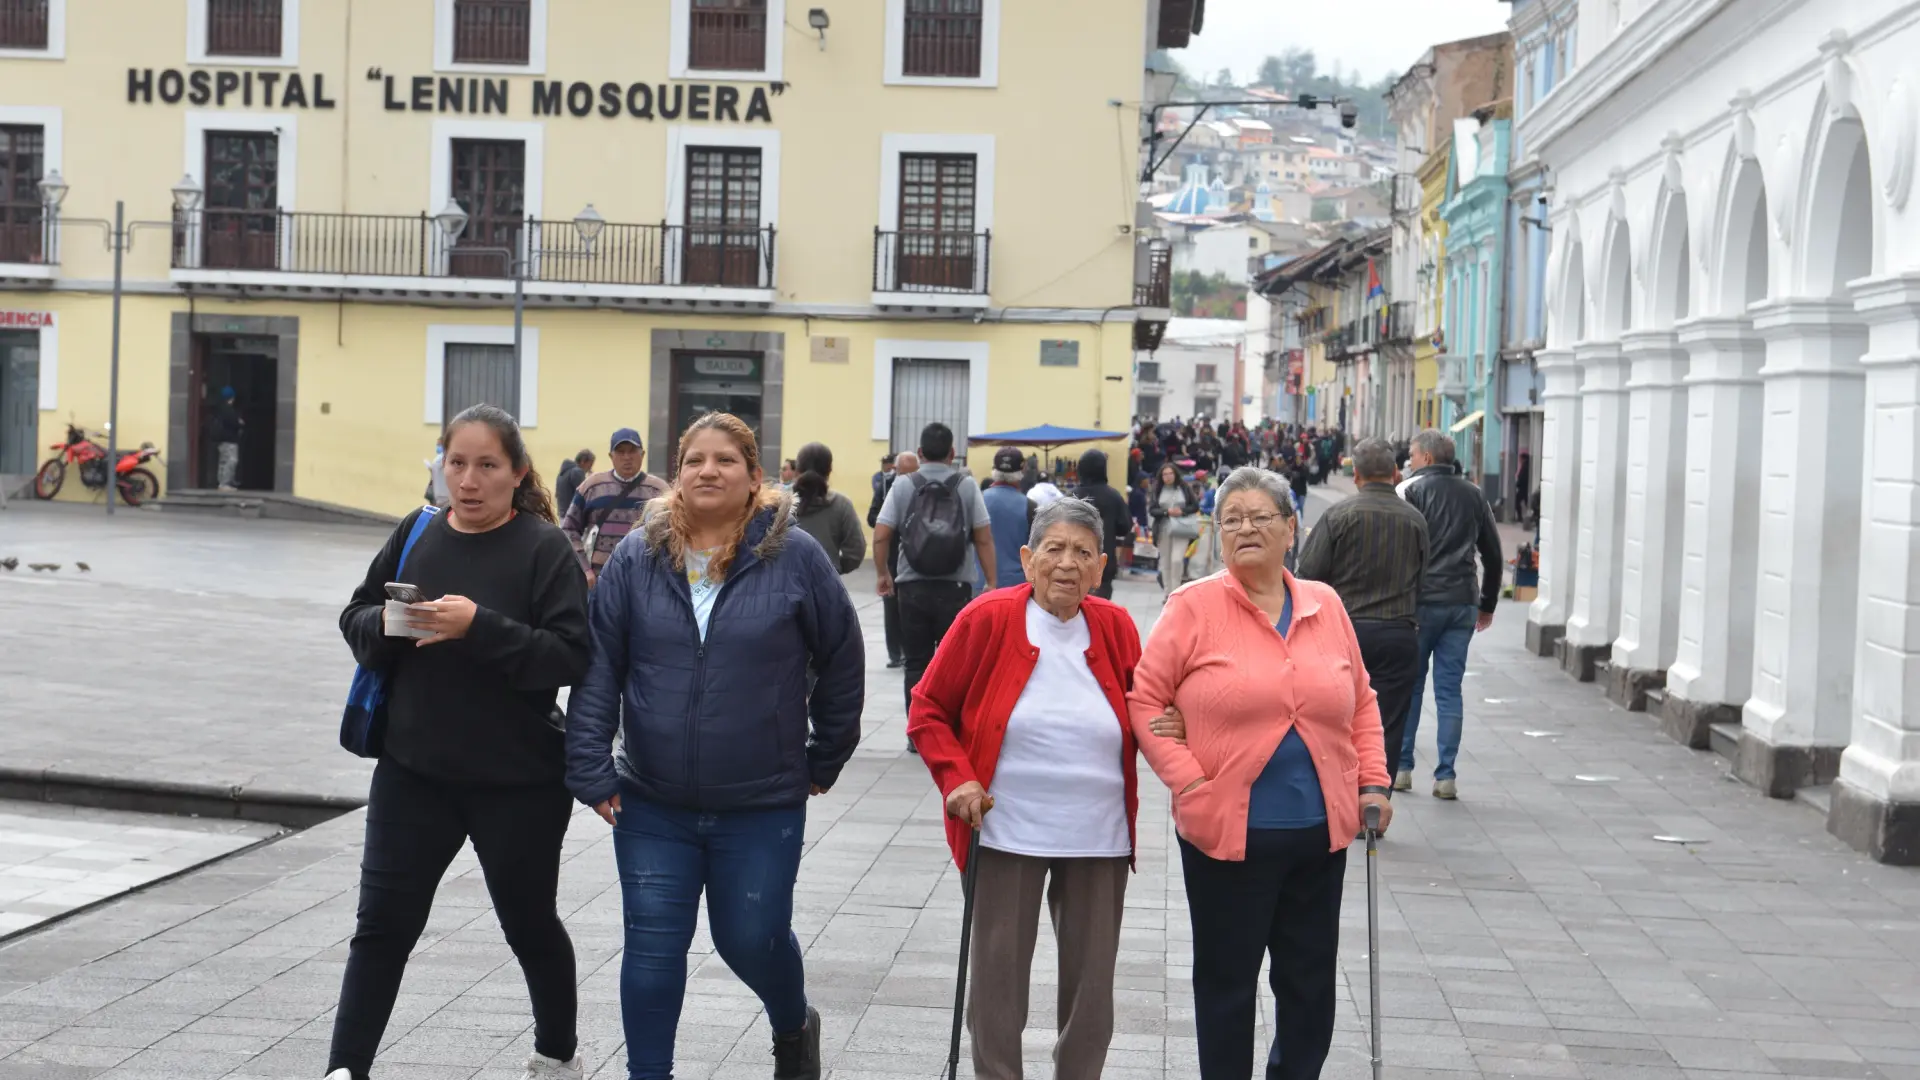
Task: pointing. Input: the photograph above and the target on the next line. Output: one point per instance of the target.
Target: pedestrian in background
(904, 464)
(572, 474)
(607, 504)
(1115, 523)
(227, 426)
(437, 494)
(1372, 549)
(728, 655)
(935, 515)
(824, 514)
(1279, 749)
(880, 481)
(1455, 602)
(470, 748)
(1023, 711)
(1174, 506)
(789, 471)
(1009, 514)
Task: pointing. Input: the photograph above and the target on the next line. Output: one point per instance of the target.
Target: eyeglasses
(1258, 521)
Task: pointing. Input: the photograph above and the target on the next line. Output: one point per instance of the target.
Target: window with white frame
(493, 170)
(723, 196)
(262, 32)
(23, 157)
(474, 365)
(507, 37)
(943, 42)
(33, 29)
(936, 213)
(726, 38)
(918, 382)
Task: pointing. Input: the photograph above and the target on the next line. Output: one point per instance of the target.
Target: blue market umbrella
(1046, 437)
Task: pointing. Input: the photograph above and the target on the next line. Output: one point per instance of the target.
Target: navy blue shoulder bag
(363, 724)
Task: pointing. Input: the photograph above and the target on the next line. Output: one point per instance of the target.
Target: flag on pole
(1374, 289)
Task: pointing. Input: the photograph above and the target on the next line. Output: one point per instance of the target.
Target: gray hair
(1373, 460)
(1436, 444)
(1066, 511)
(1253, 478)
(1003, 477)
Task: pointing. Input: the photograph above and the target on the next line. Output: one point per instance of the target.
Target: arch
(1569, 323)
(1616, 282)
(1742, 277)
(1838, 228)
(1670, 293)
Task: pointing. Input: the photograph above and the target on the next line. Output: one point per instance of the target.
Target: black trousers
(1282, 900)
(415, 826)
(890, 610)
(927, 611)
(1391, 651)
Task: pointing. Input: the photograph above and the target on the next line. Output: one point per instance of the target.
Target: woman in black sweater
(470, 750)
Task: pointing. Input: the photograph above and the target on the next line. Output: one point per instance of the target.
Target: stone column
(1712, 672)
(1559, 474)
(1876, 801)
(1595, 621)
(1801, 713)
(1656, 506)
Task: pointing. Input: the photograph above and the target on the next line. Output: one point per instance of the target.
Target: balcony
(400, 256)
(29, 245)
(1152, 294)
(931, 269)
(1396, 323)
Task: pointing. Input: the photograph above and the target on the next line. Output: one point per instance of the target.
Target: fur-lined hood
(766, 533)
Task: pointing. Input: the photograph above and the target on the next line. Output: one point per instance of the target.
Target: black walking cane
(967, 879)
(1372, 817)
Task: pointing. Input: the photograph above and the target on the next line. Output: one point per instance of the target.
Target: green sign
(1057, 353)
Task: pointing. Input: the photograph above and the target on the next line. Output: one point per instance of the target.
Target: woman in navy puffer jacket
(725, 642)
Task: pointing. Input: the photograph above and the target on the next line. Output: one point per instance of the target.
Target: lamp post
(119, 237)
(452, 220)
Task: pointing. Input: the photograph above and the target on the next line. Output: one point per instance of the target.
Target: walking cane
(966, 941)
(1372, 815)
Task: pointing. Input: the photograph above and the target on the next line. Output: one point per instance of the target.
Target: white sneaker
(540, 1067)
(339, 1074)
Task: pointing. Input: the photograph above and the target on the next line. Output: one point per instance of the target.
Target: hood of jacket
(1093, 467)
(766, 533)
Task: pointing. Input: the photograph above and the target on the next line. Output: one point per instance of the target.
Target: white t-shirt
(703, 589)
(1058, 790)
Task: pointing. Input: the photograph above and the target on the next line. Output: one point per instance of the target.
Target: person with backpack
(607, 504)
(935, 516)
(469, 750)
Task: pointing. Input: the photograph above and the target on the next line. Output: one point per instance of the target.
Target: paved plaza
(1540, 927)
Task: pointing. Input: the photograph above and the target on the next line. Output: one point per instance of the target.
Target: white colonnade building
(1730, 482)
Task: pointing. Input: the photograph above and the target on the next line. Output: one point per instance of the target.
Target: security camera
(1349, 114)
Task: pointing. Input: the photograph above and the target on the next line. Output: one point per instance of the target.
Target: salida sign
(456, 95)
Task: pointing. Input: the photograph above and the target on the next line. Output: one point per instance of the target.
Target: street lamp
(453, 219)
(119, 237)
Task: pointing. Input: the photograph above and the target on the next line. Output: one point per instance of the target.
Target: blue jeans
(746, 861)
(1445, 632)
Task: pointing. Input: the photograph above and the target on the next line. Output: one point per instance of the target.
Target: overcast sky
(1373, 36)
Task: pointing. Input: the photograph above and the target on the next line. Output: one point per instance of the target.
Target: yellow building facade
(1432, 298)
(841, 232)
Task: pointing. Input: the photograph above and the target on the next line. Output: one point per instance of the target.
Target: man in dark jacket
(576, 470)
(1115, 519)
(1455, 599)
(897, 466)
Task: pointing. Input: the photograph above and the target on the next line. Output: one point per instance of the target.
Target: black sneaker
(796, 1055)
(894, 665)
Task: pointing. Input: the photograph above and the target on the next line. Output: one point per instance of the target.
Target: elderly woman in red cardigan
(1022, 719)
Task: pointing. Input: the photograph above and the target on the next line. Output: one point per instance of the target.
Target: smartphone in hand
(406, 594)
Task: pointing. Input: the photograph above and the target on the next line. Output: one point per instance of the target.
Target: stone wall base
(1627, 687)
(1542, 636)
(1580, 661)
(1782, 770)
(1889, 832)
(1690, 723)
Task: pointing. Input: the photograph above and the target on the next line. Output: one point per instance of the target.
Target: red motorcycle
(137, 484)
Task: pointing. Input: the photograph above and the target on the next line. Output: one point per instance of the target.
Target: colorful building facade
(1476, 217)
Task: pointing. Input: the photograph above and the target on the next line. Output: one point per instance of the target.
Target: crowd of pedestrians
(718, 677)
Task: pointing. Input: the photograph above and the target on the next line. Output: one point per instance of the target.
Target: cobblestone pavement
(1535, 928)
(57, 859)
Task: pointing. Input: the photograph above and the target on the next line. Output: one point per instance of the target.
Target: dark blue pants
(746, 862)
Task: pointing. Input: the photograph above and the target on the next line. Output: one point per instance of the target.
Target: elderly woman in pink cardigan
(1281, 749)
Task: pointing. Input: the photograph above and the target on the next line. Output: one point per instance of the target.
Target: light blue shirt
(704, 590)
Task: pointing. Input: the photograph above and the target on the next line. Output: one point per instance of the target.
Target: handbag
(1184, 527)
(363, 723)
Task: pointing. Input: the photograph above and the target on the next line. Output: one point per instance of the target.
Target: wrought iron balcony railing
(377, 245)
(932, 262)
(1154, 289)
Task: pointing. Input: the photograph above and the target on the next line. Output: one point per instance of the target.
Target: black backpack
(935, 537)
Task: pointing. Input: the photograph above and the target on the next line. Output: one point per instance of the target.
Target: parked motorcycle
(137, 484)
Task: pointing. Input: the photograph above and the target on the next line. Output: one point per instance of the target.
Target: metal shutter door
(481, 374)
(925, 391)
(19, 409)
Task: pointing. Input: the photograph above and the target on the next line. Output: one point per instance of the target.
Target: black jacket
(1114, 515)
(566, 484)
(1459, 525)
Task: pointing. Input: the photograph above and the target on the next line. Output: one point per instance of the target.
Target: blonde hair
(678, 537)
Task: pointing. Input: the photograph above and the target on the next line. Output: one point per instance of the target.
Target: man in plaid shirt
(608, 504)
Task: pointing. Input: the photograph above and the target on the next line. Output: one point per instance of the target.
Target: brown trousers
(1085, 898)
